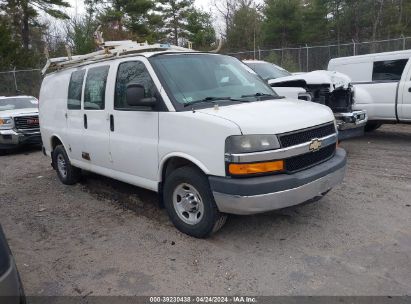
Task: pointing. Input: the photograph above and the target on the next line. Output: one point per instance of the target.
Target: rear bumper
(351, 124)
(262, 194)
(10, 139)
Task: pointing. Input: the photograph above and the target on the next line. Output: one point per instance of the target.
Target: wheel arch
(55, 140)
(177, 160)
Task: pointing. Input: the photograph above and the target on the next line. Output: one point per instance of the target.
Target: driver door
(134, 130)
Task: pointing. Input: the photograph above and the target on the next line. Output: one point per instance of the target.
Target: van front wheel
(67, 174)
(190, 203)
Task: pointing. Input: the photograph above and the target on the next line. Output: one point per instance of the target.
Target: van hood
(336, 80)
(19, 112)
(273, 116)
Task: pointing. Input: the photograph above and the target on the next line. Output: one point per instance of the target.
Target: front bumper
(10, 139)
(351, 124)
(262, 194)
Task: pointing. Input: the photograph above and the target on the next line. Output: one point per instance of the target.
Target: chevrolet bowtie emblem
(315, 145)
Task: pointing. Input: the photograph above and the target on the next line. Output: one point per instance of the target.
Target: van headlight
(239, 144)
(6, 123)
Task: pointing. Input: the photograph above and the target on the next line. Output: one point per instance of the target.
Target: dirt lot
(103, 237)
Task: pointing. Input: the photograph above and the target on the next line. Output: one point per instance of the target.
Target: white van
(202, 130)
(382, 85)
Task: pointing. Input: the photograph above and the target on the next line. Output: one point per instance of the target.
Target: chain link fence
(308, 58)
(20, 82)
(301, 59)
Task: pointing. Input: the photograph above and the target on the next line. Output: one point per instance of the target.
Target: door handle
(85, 121)
(111, 123)
(409, 90)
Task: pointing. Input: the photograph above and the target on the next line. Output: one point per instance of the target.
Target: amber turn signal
(256, 168)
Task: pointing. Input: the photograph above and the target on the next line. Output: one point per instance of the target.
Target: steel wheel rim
(188, 204)
(61, 165)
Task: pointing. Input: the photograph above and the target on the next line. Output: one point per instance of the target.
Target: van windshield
(191, 78)
(17, 103)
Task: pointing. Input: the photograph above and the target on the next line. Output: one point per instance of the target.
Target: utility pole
(255, 24)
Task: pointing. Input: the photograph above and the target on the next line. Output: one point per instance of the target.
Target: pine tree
(283, 22)
(25, 12)
(175, 14)
(244, 27)
(200, 29)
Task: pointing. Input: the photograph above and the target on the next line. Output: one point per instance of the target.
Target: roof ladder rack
(109, 49)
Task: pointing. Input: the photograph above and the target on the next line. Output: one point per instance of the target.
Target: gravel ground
(102, 237)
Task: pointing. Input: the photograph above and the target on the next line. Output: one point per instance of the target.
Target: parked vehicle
(382, 84)
(19, 122)
(200, 129)
(11, 288)
(328, 88)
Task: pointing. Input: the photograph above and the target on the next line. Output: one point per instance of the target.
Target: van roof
(405, 54)
(112, 50)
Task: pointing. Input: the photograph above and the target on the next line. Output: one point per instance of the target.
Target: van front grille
(307, 135)
(27, 122)
(304, 161)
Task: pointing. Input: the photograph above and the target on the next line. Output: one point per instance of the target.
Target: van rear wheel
(190, 203)
(67, 174)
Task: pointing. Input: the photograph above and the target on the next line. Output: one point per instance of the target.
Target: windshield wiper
(259, 95)
(210, 100)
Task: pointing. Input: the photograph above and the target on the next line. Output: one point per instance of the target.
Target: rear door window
(95, 90)
(75, 90)
(389, 70)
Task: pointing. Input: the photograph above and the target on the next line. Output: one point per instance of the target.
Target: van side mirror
(135, 96)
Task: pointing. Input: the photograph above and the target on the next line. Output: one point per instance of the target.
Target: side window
(95, 91)
(132, 72)
(75, 89)
(389, 70)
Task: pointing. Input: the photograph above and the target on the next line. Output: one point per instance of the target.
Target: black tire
(211, 221)
(73, 174)
(372, 126)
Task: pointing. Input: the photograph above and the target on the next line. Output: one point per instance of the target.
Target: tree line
(293, 23)
(28, 26)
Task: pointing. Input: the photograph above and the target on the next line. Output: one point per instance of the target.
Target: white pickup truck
(332, 89)
(382, 85)
(19, 122)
